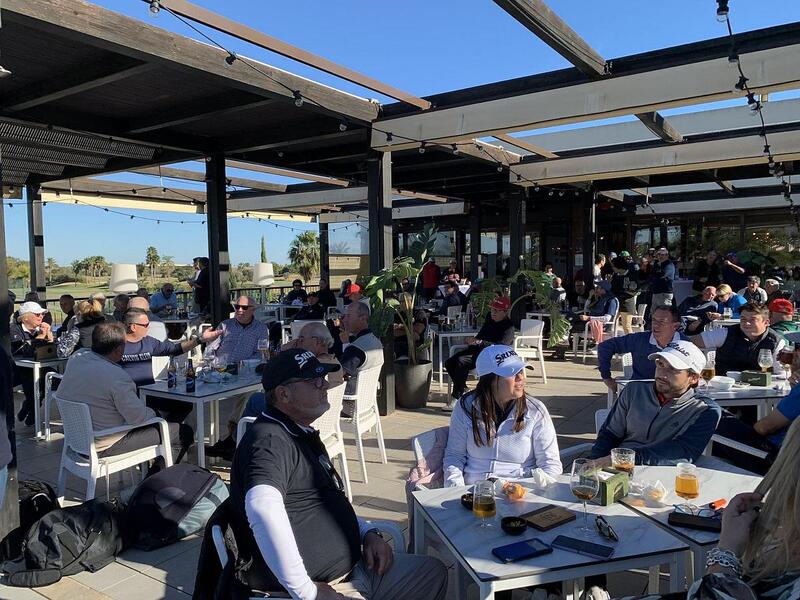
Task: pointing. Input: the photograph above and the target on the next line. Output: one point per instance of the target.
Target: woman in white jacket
(499, 429)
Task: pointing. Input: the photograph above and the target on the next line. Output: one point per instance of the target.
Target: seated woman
(79, 329)
(499, 429)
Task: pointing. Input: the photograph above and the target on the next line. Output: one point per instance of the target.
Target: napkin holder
(757, 378)
(613, 486)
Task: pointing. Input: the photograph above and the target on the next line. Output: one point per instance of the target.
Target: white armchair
(529, 343)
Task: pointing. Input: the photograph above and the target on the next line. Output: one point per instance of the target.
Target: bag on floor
(172, 504)
(36, 499)
(66, 541)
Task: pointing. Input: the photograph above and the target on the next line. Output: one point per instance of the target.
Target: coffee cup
(735, 375)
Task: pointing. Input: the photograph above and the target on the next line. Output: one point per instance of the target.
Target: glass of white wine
(584, 484)
(483, 503)
(765, 359)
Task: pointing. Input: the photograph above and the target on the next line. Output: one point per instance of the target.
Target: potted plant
(390, 309)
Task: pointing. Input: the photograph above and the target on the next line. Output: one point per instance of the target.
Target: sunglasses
(697, 512)
(141, 324)
(605, 529)
(317, 382)
(242, 306)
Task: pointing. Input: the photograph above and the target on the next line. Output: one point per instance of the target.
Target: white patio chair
(570, 454)
(157, 330)
(242, 426)
(48, 400)
(365, 416)
(453, 313)
(637, 321)
(609, 327)
(79, 455)
(734, 445)
(529, 343)
(297, 327)
(330, 432)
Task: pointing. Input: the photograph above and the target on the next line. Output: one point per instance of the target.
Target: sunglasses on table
(605, 529)
(696, 511)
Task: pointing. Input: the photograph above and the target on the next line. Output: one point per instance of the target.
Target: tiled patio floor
(573, 394)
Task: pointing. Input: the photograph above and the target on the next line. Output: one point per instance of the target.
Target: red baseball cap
(781, 305)
(501, 303)
(354, 287)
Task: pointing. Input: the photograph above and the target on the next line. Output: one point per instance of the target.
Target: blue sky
(420, 46)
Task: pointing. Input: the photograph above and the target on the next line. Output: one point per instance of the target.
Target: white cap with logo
(500, 360)
(682, 355)
(31, 307)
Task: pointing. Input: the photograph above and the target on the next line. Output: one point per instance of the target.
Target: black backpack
(172, 504)
(66, 541)
(36, 499)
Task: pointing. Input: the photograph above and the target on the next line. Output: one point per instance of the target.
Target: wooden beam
(659, 126)
(104, 187)
(238, 164)
(253, 36)
(406, 212)
(87, 23)
(689, 156)
(198, 176)
(538, 18)
(207, 108)
(532, 148)
(88, 77)
(295, 141)
(668, 87)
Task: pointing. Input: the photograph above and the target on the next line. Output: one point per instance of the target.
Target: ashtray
(466, 500)
(513, 525)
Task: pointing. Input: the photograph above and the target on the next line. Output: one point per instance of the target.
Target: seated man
(120, 306)
(28, 332)
(664, 329)
(558, 295)
(665, 422)
(296, 530)
(297, 295)
(452, 297)
(314, 338)
(313, 311)
(738, 345)
(67, 304)
(727, 299)
(354, 295)
(96, 378)
(164, 301)
(774, 291)
(361, 349)
(497, 329)
(157, 329)
(754, 292)
(781, 313)
(697, 310)
(766, 434)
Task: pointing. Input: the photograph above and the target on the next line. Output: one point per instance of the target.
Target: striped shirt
(239, 342)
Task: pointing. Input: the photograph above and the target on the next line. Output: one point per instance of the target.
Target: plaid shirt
(239, 342)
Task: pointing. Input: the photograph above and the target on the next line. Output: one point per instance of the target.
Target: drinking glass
(483, 504)
(765, 359)
(687, 485)
(727, 313)
(623, 459)
(584, 485)
(220, 363)
(263, 347)
(709, 370)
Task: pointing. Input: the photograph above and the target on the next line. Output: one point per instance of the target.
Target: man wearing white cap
(27, 333)
(667, 421)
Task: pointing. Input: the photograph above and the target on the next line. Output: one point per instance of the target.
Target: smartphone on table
(521, 550)
(578, 546)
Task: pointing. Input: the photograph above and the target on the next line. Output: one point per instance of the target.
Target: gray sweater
(661, 435)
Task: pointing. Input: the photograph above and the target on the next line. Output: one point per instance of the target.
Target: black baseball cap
(294, 364)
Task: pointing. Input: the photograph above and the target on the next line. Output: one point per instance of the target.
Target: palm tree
(263, 250)
(152, 260)
(304, 254)
(50, 266)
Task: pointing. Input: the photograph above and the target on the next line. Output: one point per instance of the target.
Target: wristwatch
(376, 531)
(725, 559)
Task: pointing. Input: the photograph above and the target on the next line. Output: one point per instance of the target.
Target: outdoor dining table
(205, 393)
(37, 366)
(643, 543)
(719, 323)
(718, 480)
(461, 288)
(442, 335)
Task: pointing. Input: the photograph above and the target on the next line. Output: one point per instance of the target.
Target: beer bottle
(172, 373)
(190, 377)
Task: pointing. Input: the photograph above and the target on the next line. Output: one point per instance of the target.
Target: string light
(155, 7)
(722, 10)
(741, 84)
(298, 98)
(231, 58)
(422, 148)
(343, 126)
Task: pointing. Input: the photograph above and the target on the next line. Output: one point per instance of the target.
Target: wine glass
(263, 347)
(483, 504)
(765, 359)
(220, 364)
(687, 485)
(584, 484)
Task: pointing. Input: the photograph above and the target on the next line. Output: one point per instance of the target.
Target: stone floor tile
(141, 587)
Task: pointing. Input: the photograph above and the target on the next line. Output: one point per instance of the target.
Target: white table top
(638, 536)
(735, 393)
(29, 362)
(717, 480)
(465, 333)
(202, 389)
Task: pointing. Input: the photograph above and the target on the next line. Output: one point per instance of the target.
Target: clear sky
(420, 46)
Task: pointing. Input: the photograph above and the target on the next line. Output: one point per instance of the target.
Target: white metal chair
(529, 342)
(157, 330)
(365, 416)
(48, 400)
(608, 327)
(637, 321)
(330, 432)
(453, 313)
(242, 426)
(297, 327)
(79, 455)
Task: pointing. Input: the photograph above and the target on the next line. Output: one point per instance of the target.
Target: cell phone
(521, 550)
(695, 521)
(564, 542)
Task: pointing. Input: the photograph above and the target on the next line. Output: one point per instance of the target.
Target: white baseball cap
(500, 360)
(31, 307)
(682, 355)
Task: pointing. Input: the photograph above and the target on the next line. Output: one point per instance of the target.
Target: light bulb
(230, 59)
(342, 126)
(722, 10)
(422, 148)
(155, 7)
(298, 99)
(733, 59)
(499, 168)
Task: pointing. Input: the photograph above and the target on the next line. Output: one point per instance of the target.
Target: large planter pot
(412, 383)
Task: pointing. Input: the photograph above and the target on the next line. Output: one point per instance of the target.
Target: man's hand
(471, 341)
(611, 384)
(713, 316)
(378, 555)
(210, 335)
(737, 519)
(326, 592)
(604, 461)
(44, 332)
(344, 336)
(584, 317)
